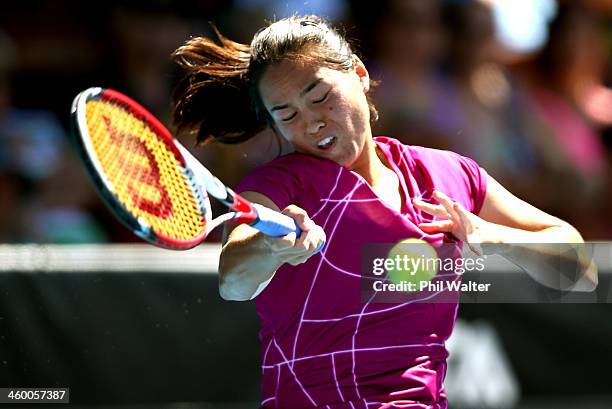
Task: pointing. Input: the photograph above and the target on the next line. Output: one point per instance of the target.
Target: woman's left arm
(521, 233)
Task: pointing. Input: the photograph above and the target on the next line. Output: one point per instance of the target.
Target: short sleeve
(293, 179)
(475, 181)
(272, 181)
(458, 176)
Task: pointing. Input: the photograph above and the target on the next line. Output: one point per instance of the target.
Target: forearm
(245, 263)
(555, 257)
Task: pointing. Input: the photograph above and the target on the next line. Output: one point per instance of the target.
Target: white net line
(117, 258)
(85, 258)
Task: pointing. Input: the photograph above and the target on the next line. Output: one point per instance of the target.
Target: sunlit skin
(310, 103)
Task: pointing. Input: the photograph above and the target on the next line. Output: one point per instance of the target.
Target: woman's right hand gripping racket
(150, 181)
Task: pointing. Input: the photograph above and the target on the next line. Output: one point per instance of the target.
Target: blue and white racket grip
(272, 223)
(275, 224)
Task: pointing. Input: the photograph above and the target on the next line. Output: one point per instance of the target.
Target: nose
(314, 125)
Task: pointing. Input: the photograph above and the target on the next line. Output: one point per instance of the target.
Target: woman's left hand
(456, 220)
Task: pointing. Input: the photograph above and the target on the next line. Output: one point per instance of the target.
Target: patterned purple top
(322, 347)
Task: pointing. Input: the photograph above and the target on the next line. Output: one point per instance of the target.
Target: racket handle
(275, 224)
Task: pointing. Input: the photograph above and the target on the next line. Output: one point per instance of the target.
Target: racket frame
(199, 179)
(82, 141)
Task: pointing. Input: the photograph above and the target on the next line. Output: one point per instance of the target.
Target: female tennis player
(322, 347)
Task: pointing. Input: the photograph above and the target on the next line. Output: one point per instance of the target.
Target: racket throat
(245, 212)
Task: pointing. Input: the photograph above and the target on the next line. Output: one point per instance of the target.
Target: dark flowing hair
(218, 100)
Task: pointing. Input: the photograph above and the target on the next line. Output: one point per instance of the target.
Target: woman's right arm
(249, 258)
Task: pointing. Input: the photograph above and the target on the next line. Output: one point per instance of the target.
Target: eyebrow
(304, 92)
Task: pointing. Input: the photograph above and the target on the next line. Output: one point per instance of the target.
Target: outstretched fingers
(437, 226)
(447, 204)
(432, 209)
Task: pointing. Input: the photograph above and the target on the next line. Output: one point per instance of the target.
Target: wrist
(496, 239)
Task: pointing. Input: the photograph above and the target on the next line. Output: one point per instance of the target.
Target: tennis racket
(150, 181)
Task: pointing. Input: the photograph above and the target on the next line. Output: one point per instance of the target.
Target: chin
(347, 163)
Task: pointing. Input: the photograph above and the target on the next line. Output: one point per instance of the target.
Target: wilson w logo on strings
(148, 174)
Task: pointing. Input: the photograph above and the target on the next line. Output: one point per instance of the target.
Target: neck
(372, 165)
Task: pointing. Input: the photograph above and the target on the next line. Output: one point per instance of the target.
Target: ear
(361, 71)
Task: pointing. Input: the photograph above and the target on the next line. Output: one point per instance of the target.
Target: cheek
(288, 131)
(352, 107)
(358, 114)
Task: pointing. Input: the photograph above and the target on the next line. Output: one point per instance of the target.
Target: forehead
(283, 81)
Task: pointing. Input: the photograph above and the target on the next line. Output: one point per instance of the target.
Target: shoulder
(421, 156)
(294, 178)
(458, 176)
(298, 162)
(295, 168)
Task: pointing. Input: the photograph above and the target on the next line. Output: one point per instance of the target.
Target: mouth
(326, 143)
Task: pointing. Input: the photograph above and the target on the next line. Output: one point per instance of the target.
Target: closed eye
(289, 118)
(318, 101)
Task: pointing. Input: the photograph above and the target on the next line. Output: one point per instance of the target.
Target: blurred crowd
(451, 75)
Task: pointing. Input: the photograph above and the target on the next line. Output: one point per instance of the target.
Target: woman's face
(323, 112)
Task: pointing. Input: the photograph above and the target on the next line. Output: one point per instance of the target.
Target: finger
(435, 210)
(444, 200)
(447, 203)
(304, 243)
(462, 212)
(300, 216)
(311, 240)
(279, 244)
(321, 235)
(437, 226)
(472, 239)
(467, 221)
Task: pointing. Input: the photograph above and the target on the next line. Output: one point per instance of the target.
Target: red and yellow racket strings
(143, 171)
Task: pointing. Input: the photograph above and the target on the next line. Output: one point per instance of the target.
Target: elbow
(240, 279)
(231, 287)
(229, 293)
